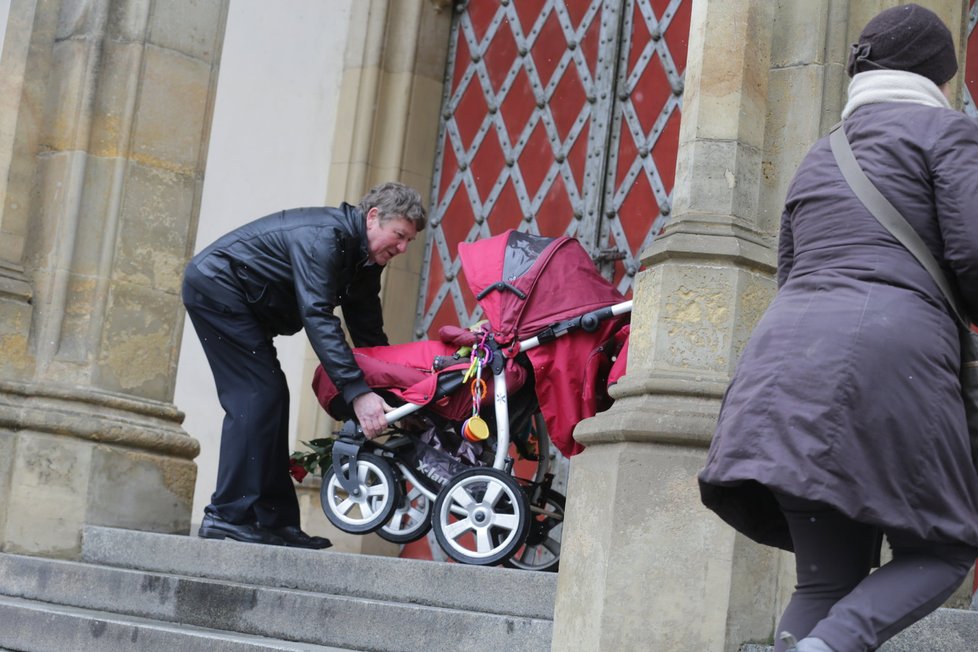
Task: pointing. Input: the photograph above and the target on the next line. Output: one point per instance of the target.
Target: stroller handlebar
(587, 322)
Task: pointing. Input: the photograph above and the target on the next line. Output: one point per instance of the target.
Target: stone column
(643, 565)
(104, 156)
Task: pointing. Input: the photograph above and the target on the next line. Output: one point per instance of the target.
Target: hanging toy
(475, 428)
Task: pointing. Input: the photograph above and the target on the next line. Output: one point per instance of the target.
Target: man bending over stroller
(283, 272)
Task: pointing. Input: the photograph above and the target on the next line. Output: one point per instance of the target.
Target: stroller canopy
(526, 282)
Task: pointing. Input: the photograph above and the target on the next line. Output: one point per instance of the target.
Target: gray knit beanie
(908, 37)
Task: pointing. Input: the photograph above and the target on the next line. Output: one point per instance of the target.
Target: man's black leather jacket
(294, 268)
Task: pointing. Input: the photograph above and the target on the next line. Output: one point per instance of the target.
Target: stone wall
(104, 136)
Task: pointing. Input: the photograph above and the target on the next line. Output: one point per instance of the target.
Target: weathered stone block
(422, 136)
(69, 102)
(16, 358)
(47, 494)
(726, 83)
(154, 226)
(60, 178)
(80, 20)
(126, 21)
(640, 502)
(137, 349)
(7, 442)
(140, 490)
(689, 313)
(112, 120)
(192, 28)
(429, 60)
(171, 110)
(798, 37)
(50, 485)
(721, 178)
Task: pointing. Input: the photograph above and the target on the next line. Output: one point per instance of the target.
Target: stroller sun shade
(526, 282)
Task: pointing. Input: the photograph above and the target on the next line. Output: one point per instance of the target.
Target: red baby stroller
(551, 344)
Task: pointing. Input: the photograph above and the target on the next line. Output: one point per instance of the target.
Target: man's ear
(373, 217)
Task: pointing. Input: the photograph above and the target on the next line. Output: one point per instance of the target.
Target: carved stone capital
(96, 416)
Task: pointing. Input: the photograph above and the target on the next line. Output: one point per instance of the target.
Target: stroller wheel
(378, 497)
(541, 552)
(411, 519)
(481, 517)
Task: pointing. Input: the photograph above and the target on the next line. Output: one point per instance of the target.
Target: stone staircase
(945, 630)
(142, 591)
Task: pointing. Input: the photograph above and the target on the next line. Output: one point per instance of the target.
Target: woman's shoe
(807, 644)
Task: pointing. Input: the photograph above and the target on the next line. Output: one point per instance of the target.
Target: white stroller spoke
(398, 525)
(507, 521)
(462, 498)
(458, 528)
(493, 491)
(377, 490)
(412, 517)
(345, 506)
(415, 514)
(482, 542)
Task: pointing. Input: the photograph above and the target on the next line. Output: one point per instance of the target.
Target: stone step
(945, 630)
(29, 626)
(321, 618)
(474, 589)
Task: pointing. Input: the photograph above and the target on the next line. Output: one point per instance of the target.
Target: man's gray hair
(394, 199)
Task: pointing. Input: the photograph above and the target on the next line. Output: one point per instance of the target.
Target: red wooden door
(559, 117)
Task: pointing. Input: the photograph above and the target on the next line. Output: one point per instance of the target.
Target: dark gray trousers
(838, 600)
(253, 481)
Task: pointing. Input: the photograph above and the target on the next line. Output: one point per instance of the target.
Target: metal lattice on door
(559, 117)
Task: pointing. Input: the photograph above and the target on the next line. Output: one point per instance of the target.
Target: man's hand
(370, 410)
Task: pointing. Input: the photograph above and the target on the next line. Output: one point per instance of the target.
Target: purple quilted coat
(847, 392)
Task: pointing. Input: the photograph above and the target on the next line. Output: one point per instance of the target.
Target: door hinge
(608, 255)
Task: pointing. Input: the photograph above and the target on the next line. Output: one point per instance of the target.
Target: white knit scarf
(875, 86)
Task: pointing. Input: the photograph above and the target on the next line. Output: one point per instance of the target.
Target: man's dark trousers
(253, 481)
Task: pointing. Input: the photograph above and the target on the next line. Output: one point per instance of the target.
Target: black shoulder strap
(888, 215)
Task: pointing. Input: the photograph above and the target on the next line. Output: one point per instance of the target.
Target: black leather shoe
(296, 538)
(215, 527)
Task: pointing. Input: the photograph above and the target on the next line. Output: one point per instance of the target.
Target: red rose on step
(298, 471)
